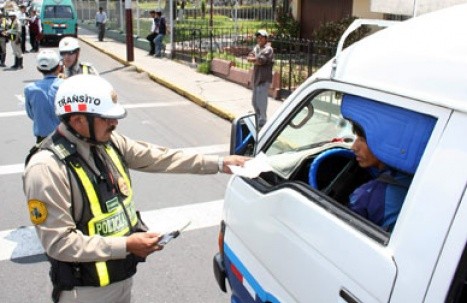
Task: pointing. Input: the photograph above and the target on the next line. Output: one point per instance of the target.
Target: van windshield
(58, 11)
(318, 122)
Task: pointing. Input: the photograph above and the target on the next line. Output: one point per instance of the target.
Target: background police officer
(4, 23)
(14, 33)
(23, 18)
(69, 51)
(80, 194)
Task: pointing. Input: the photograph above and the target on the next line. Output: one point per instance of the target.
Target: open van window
(315, 146)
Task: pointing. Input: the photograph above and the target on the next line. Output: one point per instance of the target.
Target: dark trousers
(101, 29)
(150, 38)
(23, 39)
(34, 41)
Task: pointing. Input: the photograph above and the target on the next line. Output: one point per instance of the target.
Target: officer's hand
(233, 160)
(143, 244)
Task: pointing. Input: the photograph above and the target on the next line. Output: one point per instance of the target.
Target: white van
(289, 235)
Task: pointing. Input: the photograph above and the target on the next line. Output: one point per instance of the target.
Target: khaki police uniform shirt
(46, 185)
(78, 69)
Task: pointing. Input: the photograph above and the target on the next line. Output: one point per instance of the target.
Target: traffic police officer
(15, 38)
(4, 23)
(80, 195)
(23, 19)
(69, 51)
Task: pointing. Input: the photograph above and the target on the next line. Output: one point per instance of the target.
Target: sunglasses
(68, 53)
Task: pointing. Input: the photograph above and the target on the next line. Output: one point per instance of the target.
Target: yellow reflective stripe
(90, 193)
(101, 267)
(85, 69)
(102, 273)
(116, 159)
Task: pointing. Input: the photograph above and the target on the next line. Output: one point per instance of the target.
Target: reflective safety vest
(13, 30)
(85, 68)
(108, 212)
(80, 68)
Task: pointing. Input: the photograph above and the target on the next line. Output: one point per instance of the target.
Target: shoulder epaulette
(85, 64)
(61, 147)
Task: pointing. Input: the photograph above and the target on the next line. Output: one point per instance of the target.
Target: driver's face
(364, 156)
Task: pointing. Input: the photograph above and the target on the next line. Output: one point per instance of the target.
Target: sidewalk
(225, 99)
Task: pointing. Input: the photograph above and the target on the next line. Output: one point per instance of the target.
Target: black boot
(2, 60)
(20, 63)
(15, 66)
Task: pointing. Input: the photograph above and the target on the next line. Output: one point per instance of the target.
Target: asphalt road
(182, 272)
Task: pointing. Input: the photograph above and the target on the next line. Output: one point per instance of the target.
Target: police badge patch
(37, 211)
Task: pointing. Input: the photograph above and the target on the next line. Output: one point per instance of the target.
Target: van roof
(424, 58)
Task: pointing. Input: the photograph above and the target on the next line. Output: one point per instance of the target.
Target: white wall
(406, 7)
(361, 9)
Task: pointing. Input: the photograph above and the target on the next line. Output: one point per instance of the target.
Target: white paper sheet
(253, 167)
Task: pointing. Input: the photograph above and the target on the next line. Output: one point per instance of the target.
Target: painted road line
(13, 114)
(148, 105)
(23, 242)
(11, 169)
(209, 149)
(128, 106)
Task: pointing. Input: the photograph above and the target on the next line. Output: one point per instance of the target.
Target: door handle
(348, 296)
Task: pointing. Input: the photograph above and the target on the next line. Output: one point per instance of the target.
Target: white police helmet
(47, 60)
(68, 44)
(88, 94)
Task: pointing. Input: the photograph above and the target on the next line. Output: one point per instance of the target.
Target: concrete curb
(217, 110)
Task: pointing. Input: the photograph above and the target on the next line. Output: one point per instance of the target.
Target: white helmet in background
(47, 60)
(88, 94)
(68, 44)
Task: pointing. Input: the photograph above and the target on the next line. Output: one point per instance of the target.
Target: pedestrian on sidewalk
(152, 34)
(40, 95)
(181, 11)
(14, 32)
(4, 24)
(101, 20)
(80, 195)
(160, 29)
(69, 51)
(35, 31)
(262, 57)
(23, 18)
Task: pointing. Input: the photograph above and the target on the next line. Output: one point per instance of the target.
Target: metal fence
(295, 59)
(195, 42)
(255, 10)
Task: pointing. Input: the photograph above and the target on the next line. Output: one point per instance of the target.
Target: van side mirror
(243, 135)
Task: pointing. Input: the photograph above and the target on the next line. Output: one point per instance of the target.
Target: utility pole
(210, 30)
(129, 32)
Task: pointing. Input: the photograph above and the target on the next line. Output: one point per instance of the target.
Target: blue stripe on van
(260, 292)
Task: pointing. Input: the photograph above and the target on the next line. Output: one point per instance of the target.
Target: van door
(449, 282)
(288, 242)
